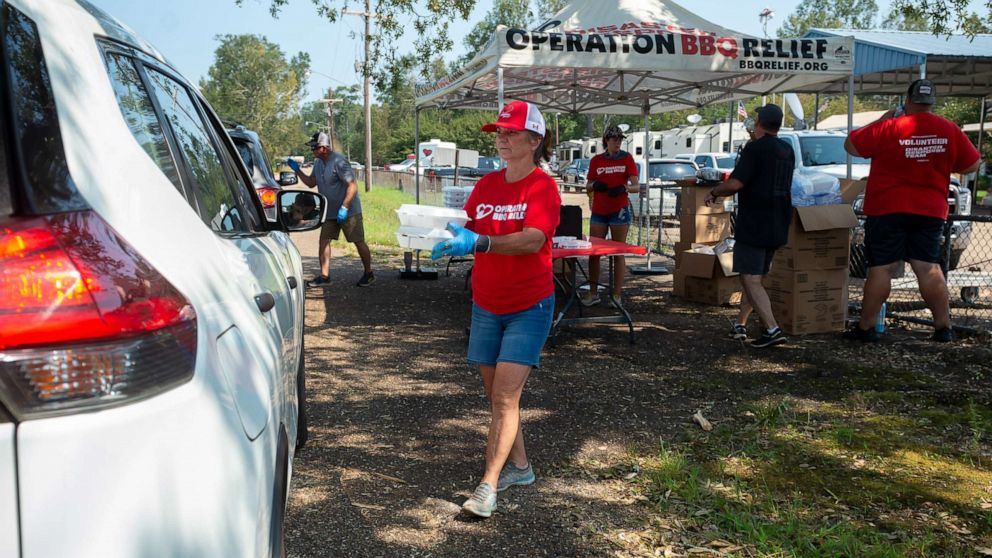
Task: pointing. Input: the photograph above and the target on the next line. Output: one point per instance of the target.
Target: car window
(217, 205)
(672, 171)
(726, 162)
(826, 150)
(702, 160)
(139, 114)
(245, 151)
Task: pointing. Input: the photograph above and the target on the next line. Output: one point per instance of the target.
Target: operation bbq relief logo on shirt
(610, 170)
(920, 147)
(514, 212)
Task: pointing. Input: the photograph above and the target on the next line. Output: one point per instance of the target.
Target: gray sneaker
(511, 475)
(483, 501)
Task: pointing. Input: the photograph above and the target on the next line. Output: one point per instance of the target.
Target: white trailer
(443, 153)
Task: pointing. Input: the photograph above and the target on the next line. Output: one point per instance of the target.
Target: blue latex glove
(342, 214)
(293, 165)
(461, 245)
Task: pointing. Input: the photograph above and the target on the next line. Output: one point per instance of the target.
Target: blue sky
(185, 30)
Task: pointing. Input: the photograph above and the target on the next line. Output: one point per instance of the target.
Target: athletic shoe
(589, 299)
(738, 332)
(776, 337)
(483, 501)
(943, 335)
(319, 281)
(366, 280)
(512, 475)
(855, 333)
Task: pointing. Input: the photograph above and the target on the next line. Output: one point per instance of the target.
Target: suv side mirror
(300, 211)
(287, 178)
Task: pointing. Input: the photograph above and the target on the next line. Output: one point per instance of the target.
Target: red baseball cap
(518, 115)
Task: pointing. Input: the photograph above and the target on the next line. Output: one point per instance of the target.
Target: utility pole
(368, 15)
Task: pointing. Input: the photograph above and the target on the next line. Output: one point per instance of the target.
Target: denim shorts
(517, 337)
(623, 217)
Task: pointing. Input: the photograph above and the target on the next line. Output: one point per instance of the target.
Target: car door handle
(265, 302)
(292, 282)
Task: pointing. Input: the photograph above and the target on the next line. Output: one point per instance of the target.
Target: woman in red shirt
(612, 175)
(514, 213)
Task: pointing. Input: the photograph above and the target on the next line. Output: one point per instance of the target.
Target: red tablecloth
(600, 247)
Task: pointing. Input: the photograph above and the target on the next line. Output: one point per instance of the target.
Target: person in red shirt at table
(913, 153)
(611, 176)
(514, 213)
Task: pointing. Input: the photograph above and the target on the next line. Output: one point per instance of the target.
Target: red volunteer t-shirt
(612, 172)
(504, 284)
(912, 158)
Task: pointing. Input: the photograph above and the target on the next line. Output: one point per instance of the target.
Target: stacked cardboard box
(807, 285)
(703, 277)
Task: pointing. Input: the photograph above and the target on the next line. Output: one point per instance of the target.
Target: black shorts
(752, 260)
(902, 236)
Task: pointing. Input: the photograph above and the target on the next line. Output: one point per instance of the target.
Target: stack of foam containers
(456, 196)
(423, 226)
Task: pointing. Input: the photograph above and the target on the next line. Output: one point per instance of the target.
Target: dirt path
(398, 419)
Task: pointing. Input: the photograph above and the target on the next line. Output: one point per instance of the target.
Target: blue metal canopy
(885, 62)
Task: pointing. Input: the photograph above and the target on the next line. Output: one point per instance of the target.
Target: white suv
(151, 339)
(823, 151)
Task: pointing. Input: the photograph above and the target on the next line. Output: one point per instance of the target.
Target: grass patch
(810, 479)
(379, 219)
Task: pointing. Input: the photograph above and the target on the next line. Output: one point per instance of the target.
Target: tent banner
(650, 46)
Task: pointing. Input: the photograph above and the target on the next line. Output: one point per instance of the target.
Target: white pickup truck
(823, 151)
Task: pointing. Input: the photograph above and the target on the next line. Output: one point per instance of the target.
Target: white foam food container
(420, 238)
(430, 217)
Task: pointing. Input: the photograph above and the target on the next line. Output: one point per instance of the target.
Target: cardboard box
(819, 238)
(678, 284)
(851, 189)
(808, 301)
(716, 291)
(704, 228)
(683, 246)
(707, 266)
(693, 201)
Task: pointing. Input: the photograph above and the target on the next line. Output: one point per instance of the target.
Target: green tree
(252, 83)
(905, 22)
(429, 21)
(830, 14)
(511, 13)
(947, 16)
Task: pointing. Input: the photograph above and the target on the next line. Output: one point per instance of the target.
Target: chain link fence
(967, 249)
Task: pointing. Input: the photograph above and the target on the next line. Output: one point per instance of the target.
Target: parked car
(724, 161)
(252, 152)
(663, 196)
(409, 165)
(151, 378)
(488, 165)
(355, 165)
(575, 171)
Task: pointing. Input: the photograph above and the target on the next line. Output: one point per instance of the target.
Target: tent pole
(646, 213)
(730, 134)
(981, 135)
(850, 117)
(499, 101)
(816, 110)
(416, 151)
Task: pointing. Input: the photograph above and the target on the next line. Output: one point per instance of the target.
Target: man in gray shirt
(334, 178)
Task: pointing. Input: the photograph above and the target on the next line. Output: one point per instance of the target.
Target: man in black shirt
(763, 183)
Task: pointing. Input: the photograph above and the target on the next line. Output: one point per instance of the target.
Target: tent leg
(850, 118)
(816, 110)
(981, 135)
(416, 152)
(645, 214)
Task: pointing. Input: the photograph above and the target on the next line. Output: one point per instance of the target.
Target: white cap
(518, 115)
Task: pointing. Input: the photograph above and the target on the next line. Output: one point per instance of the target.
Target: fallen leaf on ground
(984, 551)
(699, 419)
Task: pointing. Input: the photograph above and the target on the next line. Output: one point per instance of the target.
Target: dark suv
(253, 154)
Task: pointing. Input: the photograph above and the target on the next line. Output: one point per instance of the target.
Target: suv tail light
(86, 321)
(268, 196)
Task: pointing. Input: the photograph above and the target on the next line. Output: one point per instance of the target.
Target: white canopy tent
(632, 57)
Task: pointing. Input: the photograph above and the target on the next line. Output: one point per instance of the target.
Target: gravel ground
(398, 418)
